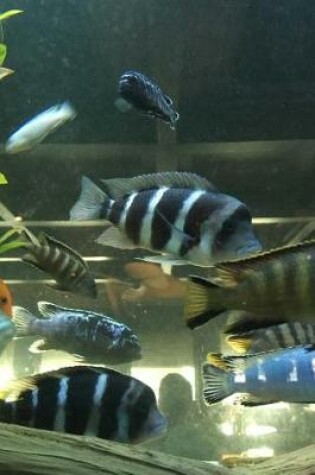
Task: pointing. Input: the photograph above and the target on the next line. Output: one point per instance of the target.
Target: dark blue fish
(142, 93)
(84, 400)
(96, 338)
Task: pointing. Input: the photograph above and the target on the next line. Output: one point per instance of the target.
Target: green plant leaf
(8, 234)
(9, 13)
(3, 178)
(11, 245)
(3, 53)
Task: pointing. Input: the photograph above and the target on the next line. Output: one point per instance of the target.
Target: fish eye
(4, 300)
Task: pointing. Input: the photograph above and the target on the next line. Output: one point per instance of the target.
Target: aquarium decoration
(6, 244)
(3, 47)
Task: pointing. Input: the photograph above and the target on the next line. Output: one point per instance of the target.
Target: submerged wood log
(25, 451)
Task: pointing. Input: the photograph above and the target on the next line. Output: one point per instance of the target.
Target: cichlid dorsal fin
(119, 187)
(53, 242)
(230, 273)
(49, 310)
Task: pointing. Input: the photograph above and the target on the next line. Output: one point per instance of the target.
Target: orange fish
(5, 299)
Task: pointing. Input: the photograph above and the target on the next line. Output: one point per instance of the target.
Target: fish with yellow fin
(274, 287)
(285, 335)
(284, 375)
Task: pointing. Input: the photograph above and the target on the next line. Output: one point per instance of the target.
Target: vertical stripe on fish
(166, 217)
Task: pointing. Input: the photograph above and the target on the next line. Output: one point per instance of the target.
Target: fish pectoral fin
(217, 360)
(239, 343)
(185, 239)
(39, 346)
(163, 259)
(122, 105)
(14, 388)
(113, 237)
(252, 401)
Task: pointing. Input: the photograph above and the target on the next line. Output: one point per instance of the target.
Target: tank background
(237, 70)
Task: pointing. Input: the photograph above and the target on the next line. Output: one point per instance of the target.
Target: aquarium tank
(163, 90)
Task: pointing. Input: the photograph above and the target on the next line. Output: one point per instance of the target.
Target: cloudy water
(211, 103)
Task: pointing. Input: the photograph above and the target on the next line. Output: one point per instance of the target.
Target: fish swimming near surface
(177, 213)
(96, 338)
(285, 375)
(36, 129)
(84, 401)
(141, 92)
(7, 331)
(275, 337)
(274, 287)
(60, 261)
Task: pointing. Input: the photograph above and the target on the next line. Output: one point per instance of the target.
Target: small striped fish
(284, 375)
(84, 401)
(60, 261)
(275, 337)
(176, 213)
(274, 287)
(96, 338)
(142, 93)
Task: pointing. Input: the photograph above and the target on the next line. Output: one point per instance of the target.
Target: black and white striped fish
(60, 261)
(84, 400)
(96, 338)
(285, 335)
(141, 92)
(177, 213)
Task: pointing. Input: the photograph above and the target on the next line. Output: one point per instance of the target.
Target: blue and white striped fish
(177, 213)
(84, 400)
(96, 338)
(284, 375)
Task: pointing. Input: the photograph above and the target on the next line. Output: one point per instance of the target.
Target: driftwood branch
(26, 451)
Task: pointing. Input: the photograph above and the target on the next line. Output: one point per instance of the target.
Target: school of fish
(182, 218)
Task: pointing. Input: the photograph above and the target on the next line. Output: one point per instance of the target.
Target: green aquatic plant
(7, 244)
(3, 47)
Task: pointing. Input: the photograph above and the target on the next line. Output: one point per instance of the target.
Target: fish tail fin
(90, 203)
(203, 301)
(216, 383)
(23, 320)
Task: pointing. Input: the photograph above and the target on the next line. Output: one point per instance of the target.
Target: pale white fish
(36, 129)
